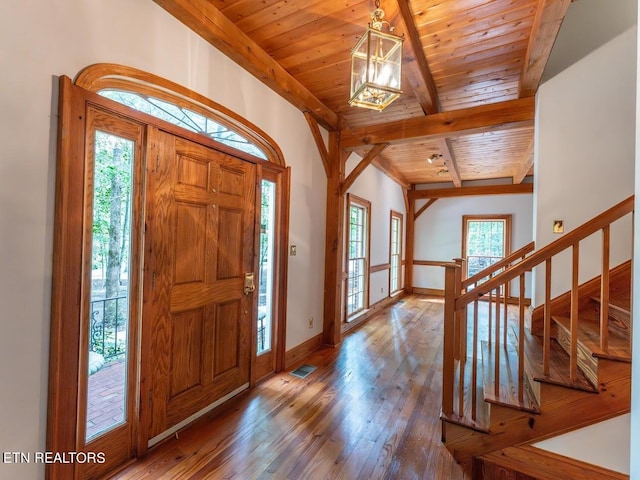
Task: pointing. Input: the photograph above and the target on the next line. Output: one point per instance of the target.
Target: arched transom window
(179, 106)
(185, 118)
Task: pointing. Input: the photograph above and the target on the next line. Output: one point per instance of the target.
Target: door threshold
(179, 426)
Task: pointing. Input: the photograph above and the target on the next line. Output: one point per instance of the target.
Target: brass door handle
(249, 283)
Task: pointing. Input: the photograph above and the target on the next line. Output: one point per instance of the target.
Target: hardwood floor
(369, 411)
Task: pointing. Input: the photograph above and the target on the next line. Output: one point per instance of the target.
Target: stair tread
(621, 301)
(544, 465)
(589, 335)
(481, 421)
(507, 394)
(558, 365)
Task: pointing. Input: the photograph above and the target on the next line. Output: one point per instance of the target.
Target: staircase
(513, 377)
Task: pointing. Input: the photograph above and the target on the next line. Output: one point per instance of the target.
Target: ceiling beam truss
(496, 116)
(472, 191)
(546, 24)
(208, 22)
(525, 164)
(424, 208)
(364, 163)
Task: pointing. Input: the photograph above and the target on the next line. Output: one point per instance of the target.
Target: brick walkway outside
(105, 406)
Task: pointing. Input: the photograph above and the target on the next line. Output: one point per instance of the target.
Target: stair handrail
(505, 262)
(457, 300)
(545, 253)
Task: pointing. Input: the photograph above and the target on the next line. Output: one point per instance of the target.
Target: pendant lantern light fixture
(376, 65)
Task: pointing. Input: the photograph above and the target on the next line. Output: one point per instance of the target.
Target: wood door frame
(66, 294)
(282, 178)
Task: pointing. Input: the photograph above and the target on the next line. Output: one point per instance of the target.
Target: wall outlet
(310, 322)
(292, 250)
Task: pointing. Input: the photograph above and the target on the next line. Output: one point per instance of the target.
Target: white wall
(584, 154)
(586, 444)
(385, 195)
(586, 150)
(438, 231)
(635, 366)
(42, 40)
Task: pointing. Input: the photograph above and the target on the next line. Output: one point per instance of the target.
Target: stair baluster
(460, 292)
(604, 290)
(573, 353)
(547, 319)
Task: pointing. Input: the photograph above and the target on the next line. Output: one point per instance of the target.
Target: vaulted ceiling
(470, 71)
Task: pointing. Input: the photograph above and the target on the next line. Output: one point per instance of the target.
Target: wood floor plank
(370, 410)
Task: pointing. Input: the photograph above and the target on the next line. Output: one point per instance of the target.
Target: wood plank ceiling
(466, 64)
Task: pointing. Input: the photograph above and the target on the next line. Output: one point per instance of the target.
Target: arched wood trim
(111, 75)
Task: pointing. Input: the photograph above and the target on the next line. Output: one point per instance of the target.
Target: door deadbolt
(249, 283)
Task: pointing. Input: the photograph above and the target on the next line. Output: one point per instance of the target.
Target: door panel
(200, 235)
(185, 350)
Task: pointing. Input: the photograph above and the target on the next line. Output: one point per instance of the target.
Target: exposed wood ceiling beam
(382, 163)
(405, 197)
(525, 164)
(364, 163)
(450, 161)
(496, 116)
(208, 22)
(470, 191)
(546, 24)
(417, 69)
(424, 207)
(317, 136)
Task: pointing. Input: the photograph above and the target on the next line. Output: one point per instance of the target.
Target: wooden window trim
(361, 202)
(101, 76)
(393, 214)
(282, 179)
(65, 328)
(507, 240)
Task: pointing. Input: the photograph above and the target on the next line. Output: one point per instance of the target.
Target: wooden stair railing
(458, 296)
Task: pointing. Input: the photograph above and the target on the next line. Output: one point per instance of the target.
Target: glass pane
(266, 266)
(485, 244)
(185, 118)
(394, 272)
(356, 258)
(109, 304)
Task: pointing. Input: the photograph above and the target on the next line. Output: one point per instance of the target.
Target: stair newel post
(546, 346)
(448, 348)
(497, 345)
(573, 357)
(461, 335)
(461, 315)
(604, 290)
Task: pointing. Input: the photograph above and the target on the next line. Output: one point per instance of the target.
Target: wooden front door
(198, 309)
